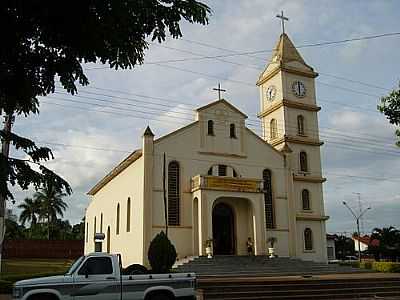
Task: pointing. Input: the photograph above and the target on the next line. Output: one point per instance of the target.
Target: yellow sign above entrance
(232, 184)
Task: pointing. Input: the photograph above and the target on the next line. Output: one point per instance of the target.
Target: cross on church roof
(219, 91)
(283, 19)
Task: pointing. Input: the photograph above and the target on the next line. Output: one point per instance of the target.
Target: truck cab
(99, 276)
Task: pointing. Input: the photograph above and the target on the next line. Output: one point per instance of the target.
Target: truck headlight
(17, 293)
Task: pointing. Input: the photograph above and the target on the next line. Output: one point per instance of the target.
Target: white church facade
(223, 181)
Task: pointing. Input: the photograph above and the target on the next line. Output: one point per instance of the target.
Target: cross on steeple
(219, 91)
(283, 19)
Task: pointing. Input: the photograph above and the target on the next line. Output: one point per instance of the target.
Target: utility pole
(357, 217)
(5, 151)
(165, 198)
(360, 209)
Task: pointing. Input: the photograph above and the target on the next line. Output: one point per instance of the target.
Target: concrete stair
(334, 287)
(258, 277)
(259, 266)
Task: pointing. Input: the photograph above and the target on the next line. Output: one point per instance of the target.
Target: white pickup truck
(98, 276)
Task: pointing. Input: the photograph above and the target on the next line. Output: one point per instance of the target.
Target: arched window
(108, 239)
(210, 171)
(232, 131)
(268, 201)
(308, 240)
(128, 215)
(173, 193)
(101, 223)
(303, 162)
(94, 227)
(305, 199)
(118, 219)
(300, 125)
(222, 170)
(210, 127)
(274, 129)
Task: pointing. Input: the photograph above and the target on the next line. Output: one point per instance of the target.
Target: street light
(358, 225)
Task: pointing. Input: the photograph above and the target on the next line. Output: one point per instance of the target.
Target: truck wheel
(160, 296)
(43, 297)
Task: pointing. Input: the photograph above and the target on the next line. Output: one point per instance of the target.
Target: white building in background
(223, 181)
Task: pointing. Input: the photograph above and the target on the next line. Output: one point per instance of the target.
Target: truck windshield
(75, 265)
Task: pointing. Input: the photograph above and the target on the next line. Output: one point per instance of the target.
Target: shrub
(161, 254)
(387, 267)
(366, 265)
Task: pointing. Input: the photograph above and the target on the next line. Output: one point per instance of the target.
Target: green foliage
(390, 107)
(161, 254)
(344, 246)
(389, 243)
(366, 265)
(44, 41)
(14, 230)
(354, 264)
(386, 267)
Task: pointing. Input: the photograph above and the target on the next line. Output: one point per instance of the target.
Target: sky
(92, 132)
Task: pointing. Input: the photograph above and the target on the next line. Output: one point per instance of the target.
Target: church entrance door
(223, 229)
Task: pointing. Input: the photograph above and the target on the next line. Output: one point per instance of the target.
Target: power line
(320, 44)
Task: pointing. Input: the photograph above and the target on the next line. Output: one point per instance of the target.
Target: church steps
(307, 293)
(301, 288)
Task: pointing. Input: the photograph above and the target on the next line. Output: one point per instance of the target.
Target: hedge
(387, 267)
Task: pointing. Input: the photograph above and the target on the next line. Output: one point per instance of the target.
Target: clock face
(299, 89)
(271, 92)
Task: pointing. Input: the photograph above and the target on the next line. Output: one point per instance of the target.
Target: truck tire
(43, 297)
(135, 269)
(160, 296)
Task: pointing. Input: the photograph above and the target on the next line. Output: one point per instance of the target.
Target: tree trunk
(5, 150)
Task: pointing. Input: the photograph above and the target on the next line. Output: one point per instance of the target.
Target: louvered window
(308, 240)
(128, 215)
(300, 125)
(232, 131)
(273, 129)
(118, 218)
(210, 127)
(303, 162)
(268, 201)
(305, 196)
(221, 170)
(173, 193)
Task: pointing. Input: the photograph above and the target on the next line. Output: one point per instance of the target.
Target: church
(223, 182)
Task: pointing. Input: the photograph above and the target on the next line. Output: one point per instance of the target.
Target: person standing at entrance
(249, 246)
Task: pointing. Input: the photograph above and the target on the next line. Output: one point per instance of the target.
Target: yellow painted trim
(291, 104)
(175, 227)
(311, 217)
(222, 154)
(310, 74)
(308, 178)
(226, 103)
(175, 132)
(296, 140)
(268, 76)
(114, 172)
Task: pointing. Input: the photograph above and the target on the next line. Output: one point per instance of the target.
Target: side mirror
(86, 273)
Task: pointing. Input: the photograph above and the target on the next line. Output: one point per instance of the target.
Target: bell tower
(288, 111)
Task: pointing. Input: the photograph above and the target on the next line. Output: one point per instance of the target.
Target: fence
(42, 249)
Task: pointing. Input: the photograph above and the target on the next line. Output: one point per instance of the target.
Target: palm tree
(51, 204)
(388, 239)
(30, 211)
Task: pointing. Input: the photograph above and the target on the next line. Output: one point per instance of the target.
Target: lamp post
(358, 225)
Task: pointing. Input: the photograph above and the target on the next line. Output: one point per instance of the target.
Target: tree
(52, 38)
(161, 254)
(389, 241)
(46, 39)
(30, 211)
(51, 204)
(390, 107)
(344, 246)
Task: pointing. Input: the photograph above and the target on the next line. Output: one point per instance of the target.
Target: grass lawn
(15, 267)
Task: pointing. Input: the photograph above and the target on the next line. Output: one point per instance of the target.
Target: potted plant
(271, 250)
(209, 244)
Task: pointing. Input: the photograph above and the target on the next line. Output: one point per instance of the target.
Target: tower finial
(283, 19)
(219, 91)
